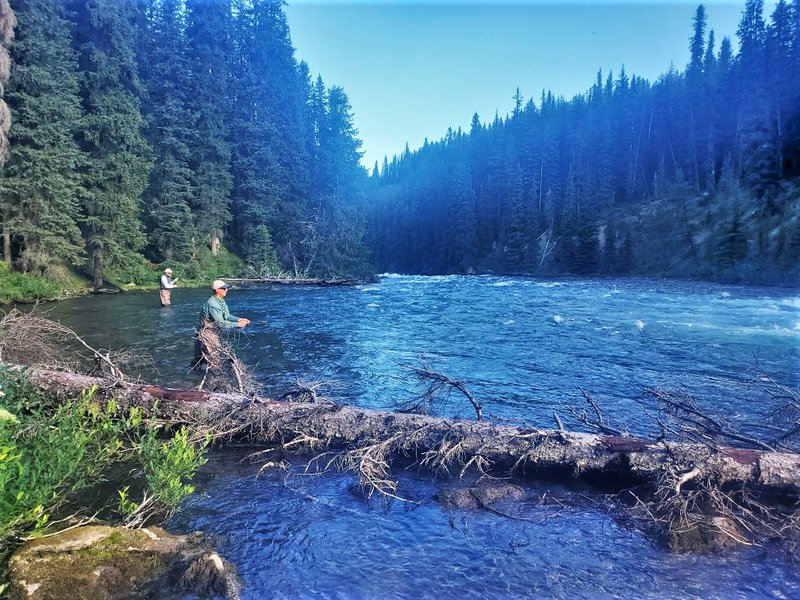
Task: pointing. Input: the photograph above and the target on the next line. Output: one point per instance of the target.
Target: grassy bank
(199, 271)
(23, 287)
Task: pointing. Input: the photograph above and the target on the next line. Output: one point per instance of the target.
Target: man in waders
(167, 283)
(209, 351)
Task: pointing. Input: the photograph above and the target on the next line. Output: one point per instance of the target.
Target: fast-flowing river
(525, 348)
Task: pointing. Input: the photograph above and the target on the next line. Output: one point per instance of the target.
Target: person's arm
(166, 283)
(236, 321)
(219, 312)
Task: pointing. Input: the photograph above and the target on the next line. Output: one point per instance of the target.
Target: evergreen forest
(695, 175)
(136, 133)
(142, 131)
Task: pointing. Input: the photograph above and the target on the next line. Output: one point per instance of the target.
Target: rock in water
(116, 563)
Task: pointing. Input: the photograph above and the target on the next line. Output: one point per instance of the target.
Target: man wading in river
(166, 284)
(211, 355)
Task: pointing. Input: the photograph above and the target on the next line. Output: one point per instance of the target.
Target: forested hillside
(143, 131)
(693, 175)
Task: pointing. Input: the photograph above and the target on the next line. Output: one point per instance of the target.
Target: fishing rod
(191, 258)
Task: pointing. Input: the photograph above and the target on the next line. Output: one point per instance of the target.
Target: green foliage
(23, 287)
(169, 466)
(40, 183)
(132, 269)
(262, 256)
(627, 151)
(204, 267)
(50, 452)
(143, 130)
(118, 157)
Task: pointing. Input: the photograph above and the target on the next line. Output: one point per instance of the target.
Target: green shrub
(204, 267)
(169, 466)
(24, 287)
(52, 452)
(134, 270)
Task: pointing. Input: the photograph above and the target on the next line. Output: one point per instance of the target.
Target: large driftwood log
(444, 443)
(296, 281)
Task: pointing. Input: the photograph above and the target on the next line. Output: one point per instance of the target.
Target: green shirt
(216, 311)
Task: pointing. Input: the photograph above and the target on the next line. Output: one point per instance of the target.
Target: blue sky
(413, 69)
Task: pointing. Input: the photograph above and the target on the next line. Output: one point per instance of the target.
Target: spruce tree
(209, 23)
(40, 182)
(341, 201)
(116, 171)
(269, 167)
(165, 72)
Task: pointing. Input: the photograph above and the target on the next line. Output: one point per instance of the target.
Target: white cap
(167, 270)
(219, 284)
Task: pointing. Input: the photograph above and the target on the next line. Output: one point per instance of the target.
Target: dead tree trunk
(440, 443)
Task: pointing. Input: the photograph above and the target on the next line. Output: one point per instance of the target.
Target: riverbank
(202, 268)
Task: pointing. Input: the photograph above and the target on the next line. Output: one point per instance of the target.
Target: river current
(525, 348)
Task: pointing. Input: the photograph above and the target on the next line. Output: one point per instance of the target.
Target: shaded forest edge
(141, 137)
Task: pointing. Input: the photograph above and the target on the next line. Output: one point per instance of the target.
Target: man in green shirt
(215, 310)
(210, 354)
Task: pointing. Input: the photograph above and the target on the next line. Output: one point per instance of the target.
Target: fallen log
(295, 281)
(373, 438)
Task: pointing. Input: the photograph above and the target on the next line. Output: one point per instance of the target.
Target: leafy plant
(170, 465)
(51, 452)
(24, 287)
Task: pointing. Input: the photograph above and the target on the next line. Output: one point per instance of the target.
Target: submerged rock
(708, 535)
(480, 496)
(115, 563)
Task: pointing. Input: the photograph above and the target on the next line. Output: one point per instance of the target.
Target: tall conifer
(209, 24)
(165, 71)
(40, 182)
(116, 172)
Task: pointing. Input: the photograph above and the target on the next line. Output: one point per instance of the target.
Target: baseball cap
(219, 284)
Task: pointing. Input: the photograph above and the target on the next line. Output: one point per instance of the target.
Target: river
(525, 348)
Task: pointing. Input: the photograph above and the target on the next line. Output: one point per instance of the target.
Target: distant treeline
(694, 175)
(141, 131)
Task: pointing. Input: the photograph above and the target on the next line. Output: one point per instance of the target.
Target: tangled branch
(438, 386)
(32, 339)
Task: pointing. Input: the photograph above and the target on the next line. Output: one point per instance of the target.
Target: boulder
(116, 563)
(480, 496)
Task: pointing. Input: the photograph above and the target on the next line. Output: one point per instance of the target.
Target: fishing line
(191, 258)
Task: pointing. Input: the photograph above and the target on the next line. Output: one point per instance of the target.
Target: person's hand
(243, 322)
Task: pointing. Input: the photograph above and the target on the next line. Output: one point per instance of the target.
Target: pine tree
(697, 95)
(209, 23)
(116, 171)
(462, 233)
(732, 247)
(169, 195)
(40, 183)
(783, 94)
(269, 166)
(757, 145)
(341, 215)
